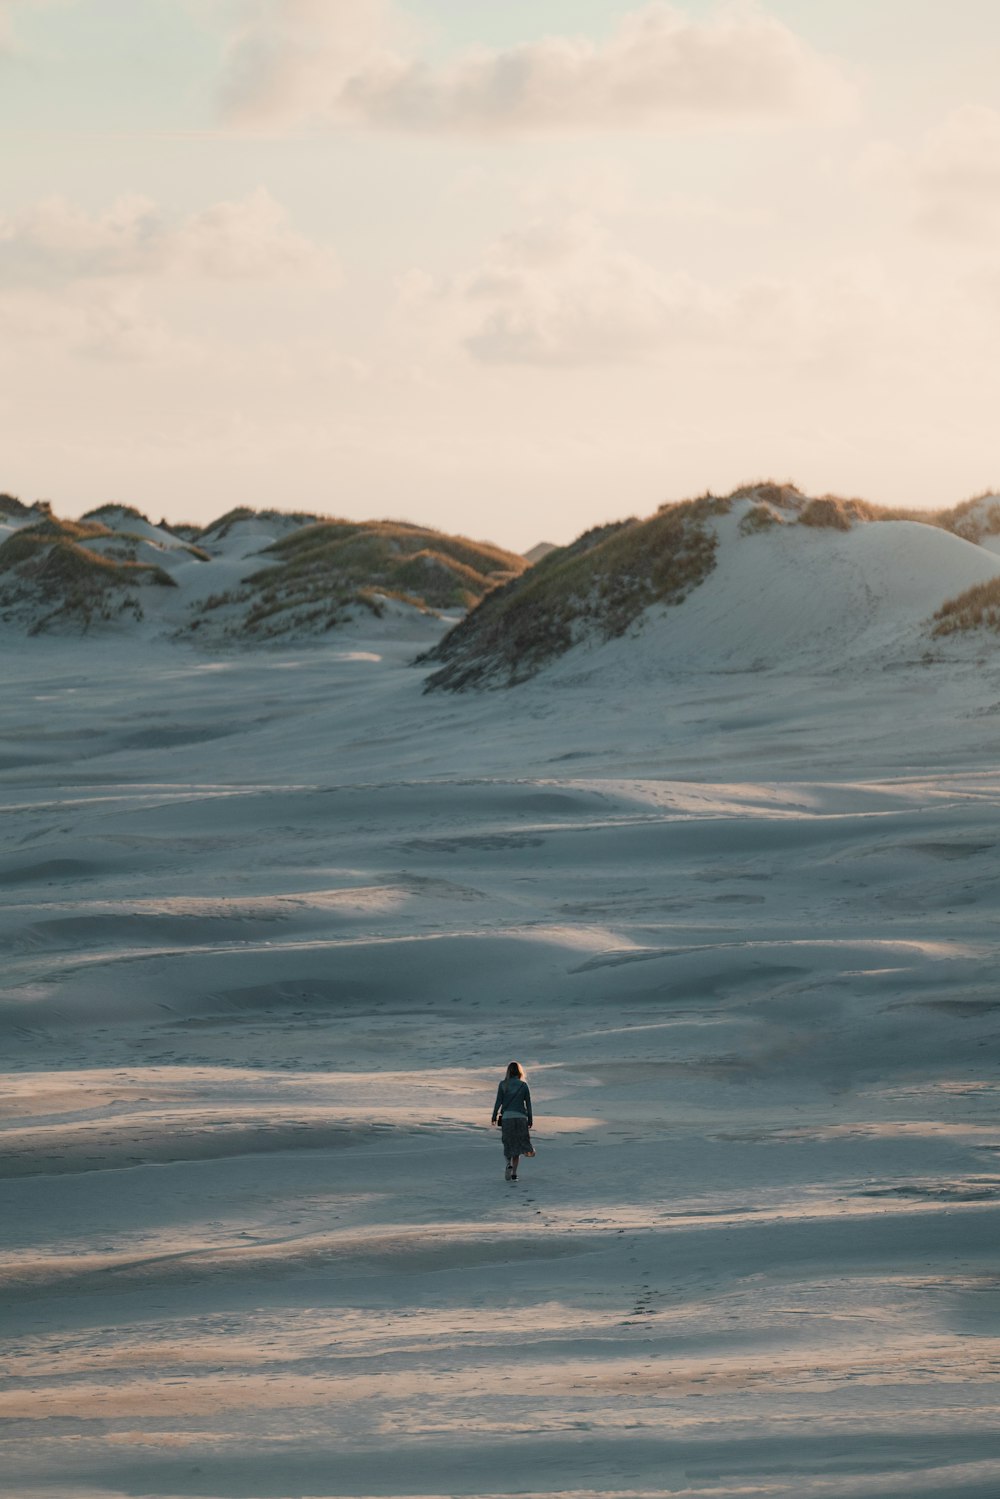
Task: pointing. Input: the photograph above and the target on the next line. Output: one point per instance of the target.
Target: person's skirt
(516, 1139)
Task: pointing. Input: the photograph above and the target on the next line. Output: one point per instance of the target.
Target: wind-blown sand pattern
(271, 927)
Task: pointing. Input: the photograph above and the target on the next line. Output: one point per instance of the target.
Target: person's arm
(499, 1103)
(527, 1105)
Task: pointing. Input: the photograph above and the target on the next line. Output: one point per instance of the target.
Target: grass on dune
(760, 518)
(128, 511)
(11, 505)
(319, 572)
(445, 571)
(49, 563)
(373, 542)
(219, 529)
(976, 609)
(133, 539)
(974, 518)
(601, 583)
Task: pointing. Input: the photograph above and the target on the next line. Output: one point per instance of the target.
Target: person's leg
(513, 1161)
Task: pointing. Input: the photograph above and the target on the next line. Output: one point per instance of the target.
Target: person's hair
(514, 1069)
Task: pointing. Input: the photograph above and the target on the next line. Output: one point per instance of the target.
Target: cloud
(285, 56)
(565, 293)
(108, 321)
(244, 239)
(949, 185)
(956, 175)
(295, 61)
(124, 285)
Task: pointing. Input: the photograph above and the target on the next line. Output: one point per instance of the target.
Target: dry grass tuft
(974, 519)
(785, 496)
(760, 518)
(976, 609)
(833, 513)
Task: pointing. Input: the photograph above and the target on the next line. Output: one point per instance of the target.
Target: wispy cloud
(106, 285)
(249, 238)
(949, 182)
(108, 321)
(564, 292)
(297, 61)
(956, 175)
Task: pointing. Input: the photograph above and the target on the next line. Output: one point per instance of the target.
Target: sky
(509, 268)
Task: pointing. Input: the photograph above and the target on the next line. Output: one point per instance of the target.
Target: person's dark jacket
(513, 1100)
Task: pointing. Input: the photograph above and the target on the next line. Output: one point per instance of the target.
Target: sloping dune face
(764, 578)
(273, 925)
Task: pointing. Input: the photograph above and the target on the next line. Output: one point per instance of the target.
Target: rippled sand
(271, 927)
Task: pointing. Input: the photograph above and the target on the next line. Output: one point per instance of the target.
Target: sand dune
(760, 581)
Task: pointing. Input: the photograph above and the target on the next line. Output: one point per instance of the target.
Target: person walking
(512, 1111)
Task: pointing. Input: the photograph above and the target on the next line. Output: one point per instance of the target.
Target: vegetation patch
(318, 574)
(52, 528)
(126, 511)
(760, 518)
(50, 577)
(829, 512)
(597, 588)
(766, 492)
(832, 513)
(11, 505)
(974, 519)
(220, 529)
(976, 609)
